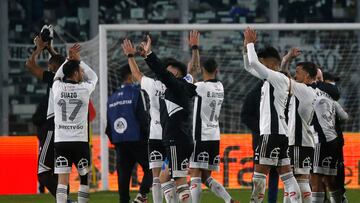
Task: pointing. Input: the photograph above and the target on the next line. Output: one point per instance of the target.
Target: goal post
(105, 29)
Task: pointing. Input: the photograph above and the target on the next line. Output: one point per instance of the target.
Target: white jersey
(155, 89)
(325, 117)
(71, 101)
(207, 106)
(301, 131)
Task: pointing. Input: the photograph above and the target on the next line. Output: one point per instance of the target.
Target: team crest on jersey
(184, 164)
(203, 157)
(326, 162)
(61, 162)
(155, 156)
(120, 125)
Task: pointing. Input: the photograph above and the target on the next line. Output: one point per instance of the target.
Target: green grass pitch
(112, 197)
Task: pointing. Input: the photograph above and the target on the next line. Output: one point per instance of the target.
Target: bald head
(319, 75)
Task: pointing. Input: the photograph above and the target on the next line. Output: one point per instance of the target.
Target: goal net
(334, 47)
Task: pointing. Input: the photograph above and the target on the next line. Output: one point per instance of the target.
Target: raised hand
(40, 44)
(147, 45)
(194, 38)
(249, 36)
(74, 52)
(128, 47)
(293, 53)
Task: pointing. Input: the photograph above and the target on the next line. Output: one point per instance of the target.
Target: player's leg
(273, 185)
(82, 161)
(340, 177)
(63, 164)
(124, 164)
(262, 165)
(198, 160)
(301, 161)
(178, 164)
(316, 178)
(168, 186)
(156, 160)
(333, 152)
(46, 174)
(141, 155)
(291, 186)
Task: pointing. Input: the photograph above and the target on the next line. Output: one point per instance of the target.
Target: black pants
(340, 177)
(127, 154)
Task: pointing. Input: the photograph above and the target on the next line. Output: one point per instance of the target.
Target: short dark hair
(309, 67)
(331, 77)
(70, 67)
(124, 71)
(210, 65)
(57, 59)
(176, 64)
(269, 52)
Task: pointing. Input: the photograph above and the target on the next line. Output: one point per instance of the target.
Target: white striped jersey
(155, 89)
(71, 101)
(301, 131)
(324, 118)
(207, 106)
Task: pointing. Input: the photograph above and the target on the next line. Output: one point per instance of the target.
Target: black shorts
(67, 153)
(326, 157)
(301, 159)
(46, 147)
(272, 150)
(206, 155)
(157, 153)
(179, 155)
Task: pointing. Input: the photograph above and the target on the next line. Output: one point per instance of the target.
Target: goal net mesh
(336, 52)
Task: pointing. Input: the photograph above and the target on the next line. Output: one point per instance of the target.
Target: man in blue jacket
(128, 129)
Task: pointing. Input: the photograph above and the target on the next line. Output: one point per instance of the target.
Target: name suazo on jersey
(71, 102)
(155, 89)
(207, 106)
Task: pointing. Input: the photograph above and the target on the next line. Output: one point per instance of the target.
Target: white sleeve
(248, 68)
(277, 79)
(60, 73)
(340, 112)
(302, 91)
(146, 83)
(91, 77)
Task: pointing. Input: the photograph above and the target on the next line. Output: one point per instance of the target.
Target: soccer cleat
(140, 198)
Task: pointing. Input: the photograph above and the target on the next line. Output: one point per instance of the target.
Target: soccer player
(273, 142)
(128, 129)
(46, 174)
(156, 89)
(206, 134)
(71, 94)
(179, 143)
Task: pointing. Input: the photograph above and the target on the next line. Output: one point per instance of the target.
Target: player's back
(71, 102)
(207, 108)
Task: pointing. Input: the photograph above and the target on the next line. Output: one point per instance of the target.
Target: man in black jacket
(176, 130)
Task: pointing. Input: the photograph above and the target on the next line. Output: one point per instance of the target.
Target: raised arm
(247, 66)
(129, 51)
(31, 63)
(287, 59)
(194, 64)
(74, 54)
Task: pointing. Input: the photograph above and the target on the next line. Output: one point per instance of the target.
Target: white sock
(218, 189)
(318, 197)
(286, 196)
(184, 194)
(291, 186)
(259, 182)
(83, 194)
(169, 191)
(195, 189)
(335, 196)
(61, 193)
(156, 190)
(305, 191)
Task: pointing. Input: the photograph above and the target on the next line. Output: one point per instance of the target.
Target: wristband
(130, 55)
(194, 47)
